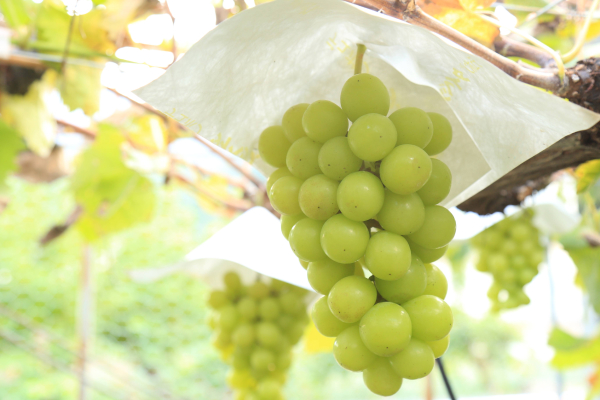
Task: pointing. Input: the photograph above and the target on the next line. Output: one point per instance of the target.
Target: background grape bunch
(255, 328)
(511, 251)
(368, 193)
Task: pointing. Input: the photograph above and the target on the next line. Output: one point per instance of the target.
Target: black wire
(446, 381)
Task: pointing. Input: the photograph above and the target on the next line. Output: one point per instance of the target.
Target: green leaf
(587, 260)
(572, 352)
(10, 145)
(113, 197)
(16, 12)
(29, 114)
(587, 174)
(81, 88)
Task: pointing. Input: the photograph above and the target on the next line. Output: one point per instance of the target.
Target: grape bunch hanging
(511, 251)
(368, 193)
(255, 328)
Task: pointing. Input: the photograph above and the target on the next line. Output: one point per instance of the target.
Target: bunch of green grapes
(255, 328)
(368, 193)
(511, 251)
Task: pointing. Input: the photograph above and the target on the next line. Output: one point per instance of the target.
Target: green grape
(304, 263)
(288, 222)
(284, 195)
(212, 320)
(285, 321)
(305, 240)
(284, 360)
(269, 309)
(439, 347)
(521, 232)
(344, 240)
(525, 276)
(372, 137)
(536, 257)
(232, 281)
(243, 335)
(296, 331)
(387, 256)
(413, 126)
(291, 303)
(324, 120)
(518, 261)
(416, 361)
(438, 186)
(273, 146)
(431, 317)
(241, 357)
(258, 290)
(228, 317)
(350, 351)
(325, 322)
(217, 299)
(360, 196)
(318, 197)
(381, 379)
(385, 329)
(262, 359)
(269, 389)
(497, 262)
(437, 284)
(268, 334)
(438, 228)
(406, 169)
(494, 291)
(292, 122)
(508, 276)
(358, 269)
(275, 175)
(411, 285)
(322, 275)
(337, 160)
(303, 158)
(442, 134)
(401, 214)
(364, 94)
(509, 247)
(221, 339)
(247, 308)
(239, 379)
(351, 297)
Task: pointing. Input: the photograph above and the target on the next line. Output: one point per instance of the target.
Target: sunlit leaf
(29, 114)
(587, 174)
(80, 88)
(148, 133)
(471, 5)
(17, 15)
(113, 197)
(573, 352)
(118, 14)
(587, 260)
(10, 145)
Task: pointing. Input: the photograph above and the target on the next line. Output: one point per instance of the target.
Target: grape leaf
(587, 174)
(573, 352)
(10, 145)
(29, 114)
(113, 197)
(587, 260)
(148, 133)
(17, 15)
(81, 88)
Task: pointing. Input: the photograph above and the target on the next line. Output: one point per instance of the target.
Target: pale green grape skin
(318, 197)
(291, 303)
(437, 230)
(273, 146)
(302, 158)
(364, 94)
(304, 263)
(438, 186)
(406, 169)
(381, 379)
(372, 137)
(269, 309)
(350, 351)
(385, 329)
(288, 222)
(268, 334)
(411, 285)
(247, 307)
(275, 175)
(337, 160)
(431, 317)
(351, 297)
(292, 122)
(228, 317)
(360, 196)
(284, 195)
(426, 255)
(295, 332)
(322, 275)
(232, 281)
(413, 126)
(305, 240)
(344, 240)
(243, 335)
(258, 290)
(387, 256)
(416, 361)
(401, 214)
(437, 284)
(269, 389)
(261, 359)
(442, 134)
(325, 322)
(439, 347)
(324, 120)
(217, 299)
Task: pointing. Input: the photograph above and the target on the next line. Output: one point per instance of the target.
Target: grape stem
(446, 380)
(360, 53)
